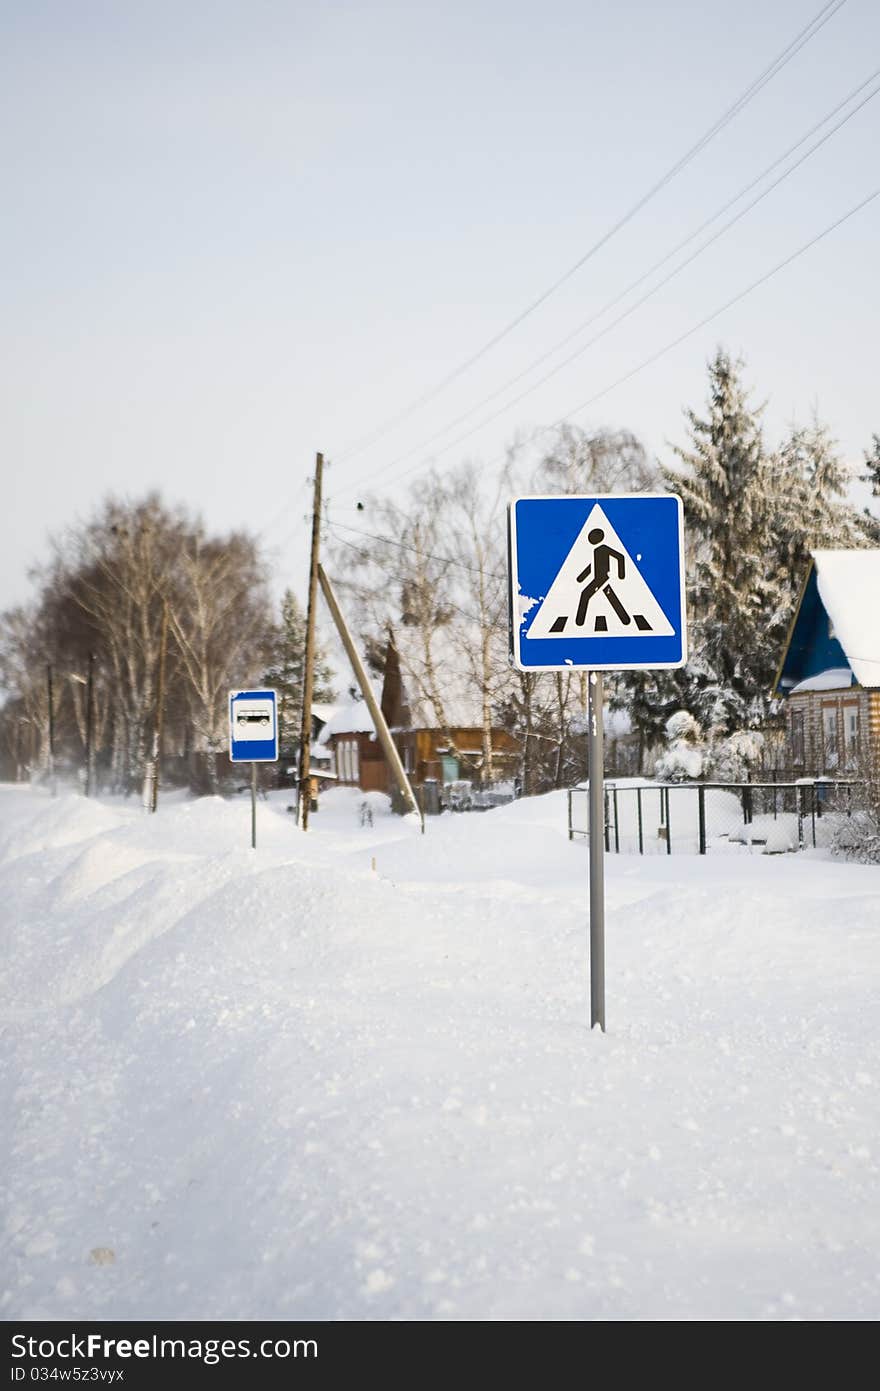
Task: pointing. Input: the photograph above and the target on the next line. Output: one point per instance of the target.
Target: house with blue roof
(829, 675)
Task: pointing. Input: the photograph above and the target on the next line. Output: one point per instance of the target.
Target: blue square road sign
(597, 583)
(253, 726)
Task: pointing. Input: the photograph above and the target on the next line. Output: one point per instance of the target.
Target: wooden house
(432, 711)
(349, 737)
(829, 674)
(432, 708)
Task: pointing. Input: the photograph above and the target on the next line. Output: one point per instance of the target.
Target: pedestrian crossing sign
(597, 583)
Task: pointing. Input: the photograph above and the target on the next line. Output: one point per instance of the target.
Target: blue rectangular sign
(253, 726)
(597, 583)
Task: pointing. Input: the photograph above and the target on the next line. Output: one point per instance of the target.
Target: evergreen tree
(735, 600)
(870, 522)
(872, 460)
(286, 674)
(808, 503)
(752, 518)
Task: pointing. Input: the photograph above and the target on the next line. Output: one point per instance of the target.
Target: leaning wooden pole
(305, 737)
(389, 748)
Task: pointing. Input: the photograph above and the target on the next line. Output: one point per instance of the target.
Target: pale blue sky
(237, 233)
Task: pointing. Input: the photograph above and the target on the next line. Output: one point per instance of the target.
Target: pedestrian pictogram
(599, 590)
(597, 583)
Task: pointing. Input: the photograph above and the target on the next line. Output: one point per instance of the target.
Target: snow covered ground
(286, 1084)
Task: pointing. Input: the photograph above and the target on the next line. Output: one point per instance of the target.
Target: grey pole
(253, 806)
(596, 743)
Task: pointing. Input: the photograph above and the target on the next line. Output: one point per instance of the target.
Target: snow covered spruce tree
(286, 673)
(872, 476)
(752, 517)
(810, 484)
(737, 605)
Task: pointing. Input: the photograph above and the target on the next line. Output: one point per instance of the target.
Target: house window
(348, 760)
(797, 738)
(851, 734)
(829, 735)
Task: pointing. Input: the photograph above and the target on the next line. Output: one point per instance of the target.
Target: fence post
(616, 824)
(570, 831)
(639, 804)
(800, 816)
(607, 827)
(668, 826)
(701, 805)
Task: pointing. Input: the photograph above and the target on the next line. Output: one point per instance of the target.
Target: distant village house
(829, 674)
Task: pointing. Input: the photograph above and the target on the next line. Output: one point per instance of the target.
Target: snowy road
(280, 1084)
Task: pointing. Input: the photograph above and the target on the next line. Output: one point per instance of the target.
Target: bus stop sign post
(596, 584)
(253, 736)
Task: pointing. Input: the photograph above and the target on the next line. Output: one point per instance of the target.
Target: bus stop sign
(253, 726)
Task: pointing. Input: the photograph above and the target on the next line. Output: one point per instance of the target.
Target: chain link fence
(715, 818)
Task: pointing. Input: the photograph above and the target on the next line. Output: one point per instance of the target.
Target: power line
(826, 13)
(642, 278)
(756, 284)
(271, 522)
(695, 328)
(408, 546)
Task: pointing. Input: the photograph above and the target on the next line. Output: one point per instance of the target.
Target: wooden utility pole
(305, 740)
(389, 748)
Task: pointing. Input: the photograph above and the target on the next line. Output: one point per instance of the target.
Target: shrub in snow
(732, 759)
(857, 837)
(684, 755)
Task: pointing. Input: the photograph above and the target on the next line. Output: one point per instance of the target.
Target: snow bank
(284, 1084)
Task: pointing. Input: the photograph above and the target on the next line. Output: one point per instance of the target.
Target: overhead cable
(826, 13)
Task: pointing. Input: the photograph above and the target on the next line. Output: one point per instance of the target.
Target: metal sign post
(596, 747)
(597, 584)
(253, 736)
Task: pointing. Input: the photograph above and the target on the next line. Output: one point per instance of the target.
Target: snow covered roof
(849, 587)
(324, 711)
(834, 627)
(354, 718)
(834, 679)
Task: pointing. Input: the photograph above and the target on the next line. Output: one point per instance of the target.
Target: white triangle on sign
(599, 592)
